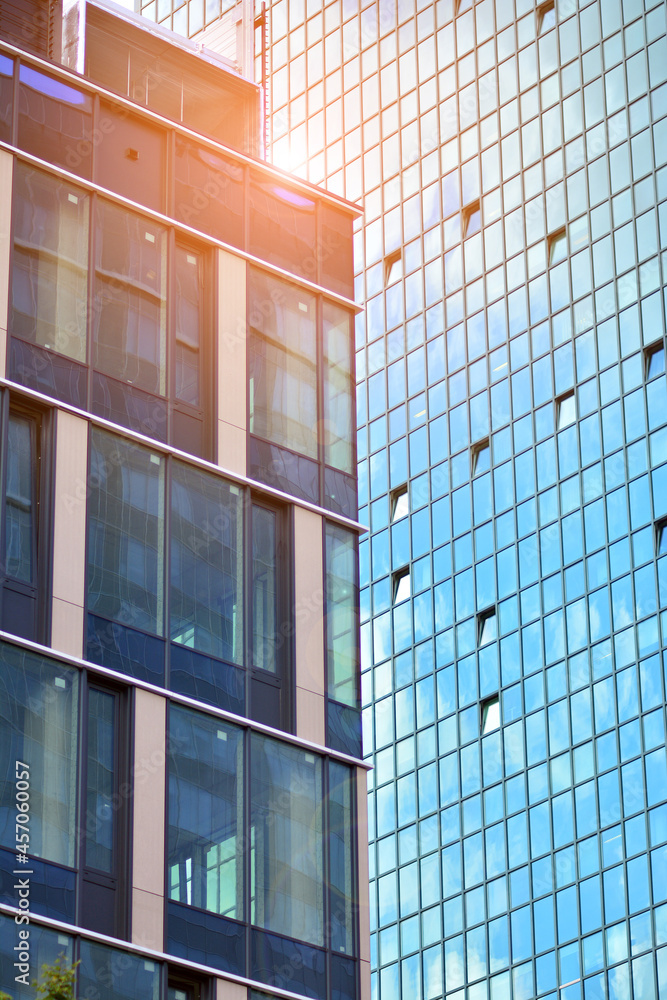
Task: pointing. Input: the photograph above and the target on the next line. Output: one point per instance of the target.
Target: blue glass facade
(512, 160)
(511, 620)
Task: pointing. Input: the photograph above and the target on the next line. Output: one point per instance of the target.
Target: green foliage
(57, 982)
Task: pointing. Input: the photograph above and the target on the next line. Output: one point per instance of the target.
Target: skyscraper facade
(511, 157)
(182, 795)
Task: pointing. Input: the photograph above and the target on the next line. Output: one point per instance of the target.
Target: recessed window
(567, 410)
(661, 536)
(393, 267)
(487, 629)
(481, 457)
(401, 585)
(546, 17)
(654, 358)
(400, 506)
(490, 715)
(472, 219)
(181, 987)
(557, 246)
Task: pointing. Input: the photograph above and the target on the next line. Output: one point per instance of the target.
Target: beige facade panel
(230, 991)
(310, 710)
(147, 920)
(149, 777)
(69, 533)
(232, 368)
(309, 623)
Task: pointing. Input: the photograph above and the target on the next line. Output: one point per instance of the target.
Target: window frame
(93, 881)
(268, 696)
(155, 408)
(110, 912)
(257, 749)
(42, 432)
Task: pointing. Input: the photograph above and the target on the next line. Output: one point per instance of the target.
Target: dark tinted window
(130, 306)
(209, 192)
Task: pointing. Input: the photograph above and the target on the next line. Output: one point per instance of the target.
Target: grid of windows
(511, 402)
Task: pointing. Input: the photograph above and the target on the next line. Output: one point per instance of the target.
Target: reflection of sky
(293, 197)
(52, 87)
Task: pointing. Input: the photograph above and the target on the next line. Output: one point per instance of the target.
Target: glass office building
(512, 160)
(182, 794)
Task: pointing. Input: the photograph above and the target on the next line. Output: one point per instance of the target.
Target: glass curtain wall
(512, 160)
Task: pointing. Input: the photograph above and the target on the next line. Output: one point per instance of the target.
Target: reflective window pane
(125, 533)
(130, 298)
(49, 263)
(189, 305)
(20, 498)
(341, 611)
(55, 121)
(205, 837)
(264, 588)
(206, 610)
(338, 403)
(38, 726)
(282, 364)
(287, 864)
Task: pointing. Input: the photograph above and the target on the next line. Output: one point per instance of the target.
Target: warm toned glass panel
(6, 95)
(283, 227)
(286, 831)
(209, 191)
(189, 305)
(55, 121)
(130, 298)
(338, 388)
(341, 608)
(282, 364)
(49, 262)
(204, 855)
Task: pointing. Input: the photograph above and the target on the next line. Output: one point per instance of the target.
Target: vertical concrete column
(148, 827)
(6, 172)
(69, 534)
(232, 367)
(309, 625)
(364, 922)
